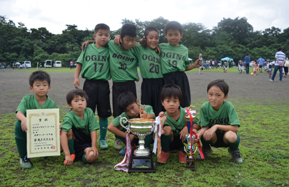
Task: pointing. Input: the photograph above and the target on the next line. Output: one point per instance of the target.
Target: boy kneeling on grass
(78, 136)
(219, 122)
(129, 104)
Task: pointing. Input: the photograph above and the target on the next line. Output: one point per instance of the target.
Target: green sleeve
(116, 121)
(93, 125)
(233, 117)
(80, 58)
(22, 106)
(196, 121)
(204, 120)
(66, 124)
(149, 109)
(187, 62)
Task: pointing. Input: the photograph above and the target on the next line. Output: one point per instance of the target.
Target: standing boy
(78, 135)
(93, 63)
(129, 104)
(174, 61)
(39, 82)
(219, 122)
(280, 58)
(175, 129)
(247, 63)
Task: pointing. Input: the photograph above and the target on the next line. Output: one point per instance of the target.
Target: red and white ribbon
(124, 164)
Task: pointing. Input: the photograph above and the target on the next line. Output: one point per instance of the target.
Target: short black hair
(279, 49)
(146, 32)
(173, 25)
(125, 99)
(101, 26)
(220, 83)
(75, 92)
(39, 75)
(171, 91)
(128, 30)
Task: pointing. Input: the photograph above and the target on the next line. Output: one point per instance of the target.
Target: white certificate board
(43, 136)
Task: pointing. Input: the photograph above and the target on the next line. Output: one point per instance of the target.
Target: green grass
(264, 148)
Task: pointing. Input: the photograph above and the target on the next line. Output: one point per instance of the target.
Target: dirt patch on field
(14, 85)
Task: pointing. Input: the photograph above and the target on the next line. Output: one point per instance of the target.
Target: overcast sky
(55, 14)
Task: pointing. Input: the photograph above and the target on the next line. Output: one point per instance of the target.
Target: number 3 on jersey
(99, 65)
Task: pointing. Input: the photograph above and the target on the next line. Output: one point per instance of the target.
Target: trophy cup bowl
(139, 127)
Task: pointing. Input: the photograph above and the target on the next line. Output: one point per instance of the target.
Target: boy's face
(101, 37)
(127, 42)
(152, 39)
(174, 37)
(40, 88)
(133, 110)
(171, 104)
(216, 97)
(78, 104)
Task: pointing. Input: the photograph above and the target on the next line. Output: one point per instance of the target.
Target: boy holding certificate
(39, 84)
(78, 136)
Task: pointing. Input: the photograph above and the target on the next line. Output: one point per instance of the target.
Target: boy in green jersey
(78, 135)
(129, 104)
(93, 63)
(174, 61)
(175, 129)
(219, 121)
(39, 82)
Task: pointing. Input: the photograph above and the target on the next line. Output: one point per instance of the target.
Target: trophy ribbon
(194, 133)
(124, 164)
(158, 133)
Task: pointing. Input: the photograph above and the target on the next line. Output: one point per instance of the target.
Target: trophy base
(142, 164)
(191, 165)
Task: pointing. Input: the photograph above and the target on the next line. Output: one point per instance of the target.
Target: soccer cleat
(72, 157)
(182, 157)
(118, 144)
(102, 144)
(164, 157)
(25, 163)
(236, 155)
(122, 152)
(206, 152)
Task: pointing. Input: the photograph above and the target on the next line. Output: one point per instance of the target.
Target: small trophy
(200, 56)
(141, 159)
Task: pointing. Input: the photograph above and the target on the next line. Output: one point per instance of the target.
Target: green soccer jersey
(116, 121)
(95, 63)
(86, 125)
(123, 63)
(173, 58)
(177, 126)
(226, 115)
(149, 62)
(30, 102)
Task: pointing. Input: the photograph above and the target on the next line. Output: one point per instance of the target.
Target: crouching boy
(78, 136)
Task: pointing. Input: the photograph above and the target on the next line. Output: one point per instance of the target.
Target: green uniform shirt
(226, 115)
(174, 58)
(116, 121)
(123, 63)
(149, 62)
(86, 125)
(177, 126)
(95, 63)
(30, 102)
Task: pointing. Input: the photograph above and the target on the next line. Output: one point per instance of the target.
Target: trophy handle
(124, 120)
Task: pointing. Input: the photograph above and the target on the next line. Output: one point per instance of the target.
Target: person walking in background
(247, 63)
(280, 60)
(261, 63)
(286, 65)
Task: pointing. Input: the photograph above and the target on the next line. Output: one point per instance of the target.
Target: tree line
(231, 37)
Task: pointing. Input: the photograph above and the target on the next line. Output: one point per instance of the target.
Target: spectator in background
(286, 65)
(247, 63)
(261, 63)
(280, 60)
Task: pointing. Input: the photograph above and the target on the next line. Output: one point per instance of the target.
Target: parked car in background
(26, 64)
(47, 64)
(57, 64)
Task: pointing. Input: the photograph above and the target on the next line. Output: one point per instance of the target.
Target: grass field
(264, 148)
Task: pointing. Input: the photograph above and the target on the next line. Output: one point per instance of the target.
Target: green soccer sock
(165, 142)
(71, 146)
(149, 140)
(235, 145)
(205, 143)
(103, 123)
(20, 138)
(83, 158)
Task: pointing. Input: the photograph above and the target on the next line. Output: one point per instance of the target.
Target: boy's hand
(76, 83)
(158, 50)
(183, 133)
(60, 126)
(163, 116)
(24, 125)
(68, 160)
(131, 137)
(84, 44)
(208, 134)
(117, 40)
(142, 112)
(95, 151)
